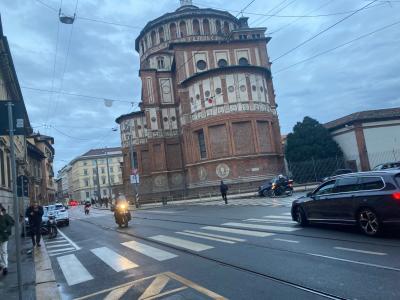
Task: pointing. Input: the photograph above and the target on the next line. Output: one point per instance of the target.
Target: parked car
(60, 212)
(370, 200)
(336, 173)
(388, 165)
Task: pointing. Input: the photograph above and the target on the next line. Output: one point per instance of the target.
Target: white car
(60, 212)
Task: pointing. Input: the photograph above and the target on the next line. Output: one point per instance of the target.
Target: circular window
(201, 65)
(139, 127)
(231, 89)
(243, 88)
(254, 88)
(165, 119)
(153, 119)
(207, 93)
(218, 91)
(261, 89)
(173, 119)
(243, 62)
(197, 96)
(222, 63)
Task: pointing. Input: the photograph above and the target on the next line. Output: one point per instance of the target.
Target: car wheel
(271, 193)
(301, 216)
(369, 223)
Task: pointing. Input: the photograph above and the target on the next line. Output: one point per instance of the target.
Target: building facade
(208, 110)
(368, 138)
(97, 172)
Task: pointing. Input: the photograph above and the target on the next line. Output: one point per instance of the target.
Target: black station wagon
(370, 200)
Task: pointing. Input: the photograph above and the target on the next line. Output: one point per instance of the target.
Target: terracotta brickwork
(208, 108)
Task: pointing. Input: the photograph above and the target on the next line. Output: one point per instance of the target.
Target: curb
(46, 285)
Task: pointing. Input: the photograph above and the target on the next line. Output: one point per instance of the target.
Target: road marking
(288, 241)
(278, 217)
(69, 240)
(113, 259)
(265, 227)
(360, 251)
(287, 214)
(60, 250)
(61, 253)
(160, 211)
(56, 242)
(216, 235)
(74, 272)
(270, 221)
(355, 262)
(147, 250)
(57, 246)
(181, 243)
(238, 231)
(206, 237)
(155, 287)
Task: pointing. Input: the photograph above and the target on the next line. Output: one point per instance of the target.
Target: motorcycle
(51, 228)
(122, 215)
(276, 188)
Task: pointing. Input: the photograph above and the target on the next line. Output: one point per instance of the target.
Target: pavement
(220, 252)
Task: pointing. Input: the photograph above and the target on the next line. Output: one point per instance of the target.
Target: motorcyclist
(87, 207)
(121, 207)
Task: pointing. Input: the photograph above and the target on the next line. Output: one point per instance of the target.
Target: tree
(310, 141)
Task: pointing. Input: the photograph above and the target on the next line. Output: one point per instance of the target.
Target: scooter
(51, 228)
(285, 189)
(122, 215)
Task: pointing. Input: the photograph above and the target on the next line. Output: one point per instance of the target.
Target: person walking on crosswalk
(224, 190)
(6, 223)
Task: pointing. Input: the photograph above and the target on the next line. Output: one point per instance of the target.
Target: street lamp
(66, 19)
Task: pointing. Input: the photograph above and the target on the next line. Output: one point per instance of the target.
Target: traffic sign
(135, 179)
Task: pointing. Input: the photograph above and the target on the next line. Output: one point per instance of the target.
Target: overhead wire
(323, 31)
(337, 47)
(275, 13)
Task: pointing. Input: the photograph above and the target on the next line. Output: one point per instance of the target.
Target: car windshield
(59, 206)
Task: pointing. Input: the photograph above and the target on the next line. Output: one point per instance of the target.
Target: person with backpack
(224, 190)
(6, 223)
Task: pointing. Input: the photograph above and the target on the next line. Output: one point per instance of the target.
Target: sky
(97, 59)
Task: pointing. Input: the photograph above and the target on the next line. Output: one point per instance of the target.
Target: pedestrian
(6, 223)
(34, 214)
(224, 190)
(106, 202)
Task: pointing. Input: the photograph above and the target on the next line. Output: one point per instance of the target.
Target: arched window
(172, 29)
(243, 62)
(226, 27)
(206, 27)
(222, 63)
(218, 26)
(161, 34)
(153, 38)
(196, 27)
(182, 28)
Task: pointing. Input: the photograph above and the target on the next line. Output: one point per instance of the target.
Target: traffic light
(22, 183)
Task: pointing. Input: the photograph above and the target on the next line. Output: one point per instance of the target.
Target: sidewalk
(9, 283)
(156, 204)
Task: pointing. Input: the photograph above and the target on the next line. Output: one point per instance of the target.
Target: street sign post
(18, 118)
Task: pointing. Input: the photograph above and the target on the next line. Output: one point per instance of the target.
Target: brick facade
(208, 108)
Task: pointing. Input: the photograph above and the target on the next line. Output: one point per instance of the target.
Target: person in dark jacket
(6, 223)
(224, 190)
(34, 214)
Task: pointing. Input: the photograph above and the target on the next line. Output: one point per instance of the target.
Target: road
(220, 252)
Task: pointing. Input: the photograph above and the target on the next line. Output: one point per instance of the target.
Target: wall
(348, 143)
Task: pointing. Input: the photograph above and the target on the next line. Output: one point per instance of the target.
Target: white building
(368, 138)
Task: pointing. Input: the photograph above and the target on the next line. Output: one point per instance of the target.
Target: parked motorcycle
(278, 186)
(51, 227)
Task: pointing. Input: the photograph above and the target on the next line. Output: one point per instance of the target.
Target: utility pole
(15, 198)
(108, 175)
(135, 185)
(98, 181)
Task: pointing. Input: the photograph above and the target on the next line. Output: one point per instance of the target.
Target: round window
(222, 63)
(254, 88)
(231, 89)
(201, 65)
(243, 88)
(207, 93)
(165, 119)
(218, 91)
(243, 62)
(139, 127)
(173, 119)
(153, 119)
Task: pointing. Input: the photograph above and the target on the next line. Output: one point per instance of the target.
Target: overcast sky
(99, 60)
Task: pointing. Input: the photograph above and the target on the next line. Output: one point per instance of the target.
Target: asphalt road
(220, 252)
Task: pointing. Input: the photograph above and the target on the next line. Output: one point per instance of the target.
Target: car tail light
(396, 196)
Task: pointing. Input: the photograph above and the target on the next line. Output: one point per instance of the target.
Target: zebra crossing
(272, 202)
(205, 238)
(61, 245)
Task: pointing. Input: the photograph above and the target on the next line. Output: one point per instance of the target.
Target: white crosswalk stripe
(197, 247)
(74, 272)
(113, 259)
(206, 237)
(286, 222)
(238, 231)
(149, 251)
(279, 217)
(216, 236)
(264, 227)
